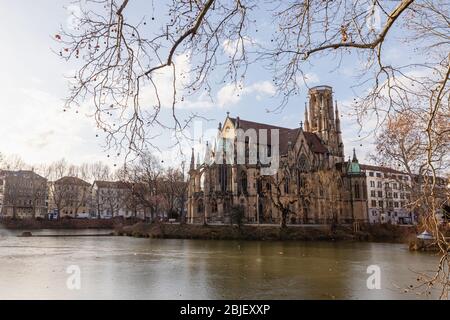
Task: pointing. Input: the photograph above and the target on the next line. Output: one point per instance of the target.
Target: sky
(33, 87)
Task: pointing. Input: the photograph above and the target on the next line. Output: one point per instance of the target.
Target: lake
(138, 268)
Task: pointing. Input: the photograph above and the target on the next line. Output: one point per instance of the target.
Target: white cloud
(228, 95)
(235, 47)
(231, 94)
(36, 128)
(307, 79)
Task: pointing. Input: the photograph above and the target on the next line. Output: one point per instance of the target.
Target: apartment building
(70, 197)
(388, 195)
(23, 194)
(109, 199)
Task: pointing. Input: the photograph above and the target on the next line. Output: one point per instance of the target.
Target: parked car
(82, 215)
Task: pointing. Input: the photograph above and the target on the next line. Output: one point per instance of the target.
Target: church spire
(207, 159)
(306, 118)
(191, 167)
(337, 120)
(198, 160)
(354, 156)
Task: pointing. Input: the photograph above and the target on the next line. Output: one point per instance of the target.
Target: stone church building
(311, 182)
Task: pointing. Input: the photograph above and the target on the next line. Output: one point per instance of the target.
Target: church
(278, 175)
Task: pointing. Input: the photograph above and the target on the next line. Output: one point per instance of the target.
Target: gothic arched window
(213, 206)
(223, 177)
(259, 186)
(287, 181)
(244, 182)
(302, 163)
(356, 190)
(200, 207)
(202, 182)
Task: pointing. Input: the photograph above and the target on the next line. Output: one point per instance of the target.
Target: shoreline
(134, 228)
(69, 224)
(368, 233)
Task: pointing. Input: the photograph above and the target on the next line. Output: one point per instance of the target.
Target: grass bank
(386, 233)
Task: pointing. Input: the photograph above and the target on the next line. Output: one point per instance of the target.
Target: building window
(223, 177)
(380, 204)
(202, 182)
(395, 204)
(374, 203)
(380, 194)
(372, 193)
(244, 181)
(378, 175)
(356, 187)
(370, 174)
(302, 163)
(379, 184)
(395, 195)
(372, 184)
(394, 186)
(287, 181)
(200, 207)
(214, 206)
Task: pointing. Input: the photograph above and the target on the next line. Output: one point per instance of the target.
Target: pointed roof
(353, 166)
(72, 181)
(355, 159)
(286, 135)
(191, 167)
(111, 184)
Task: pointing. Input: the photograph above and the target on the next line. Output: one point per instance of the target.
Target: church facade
(297, 176)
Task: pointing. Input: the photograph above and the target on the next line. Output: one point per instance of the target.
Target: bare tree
(306, 193)
(174, 190)
(13, 162)
(121, 60)
(68, 189)
(404, 142)
(143, 178)
(38, 193)
(331, 185)
(99, 171)
(279, 192)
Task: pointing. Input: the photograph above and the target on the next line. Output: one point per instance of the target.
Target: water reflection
(130, 268)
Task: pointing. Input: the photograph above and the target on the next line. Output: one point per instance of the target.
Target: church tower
(323, 119)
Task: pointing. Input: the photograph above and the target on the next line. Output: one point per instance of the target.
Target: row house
(388, 196)
(70, 197)
(23, 194)
(115, 198)
(391, 194)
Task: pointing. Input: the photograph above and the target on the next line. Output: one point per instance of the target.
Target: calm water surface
(132, 268)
